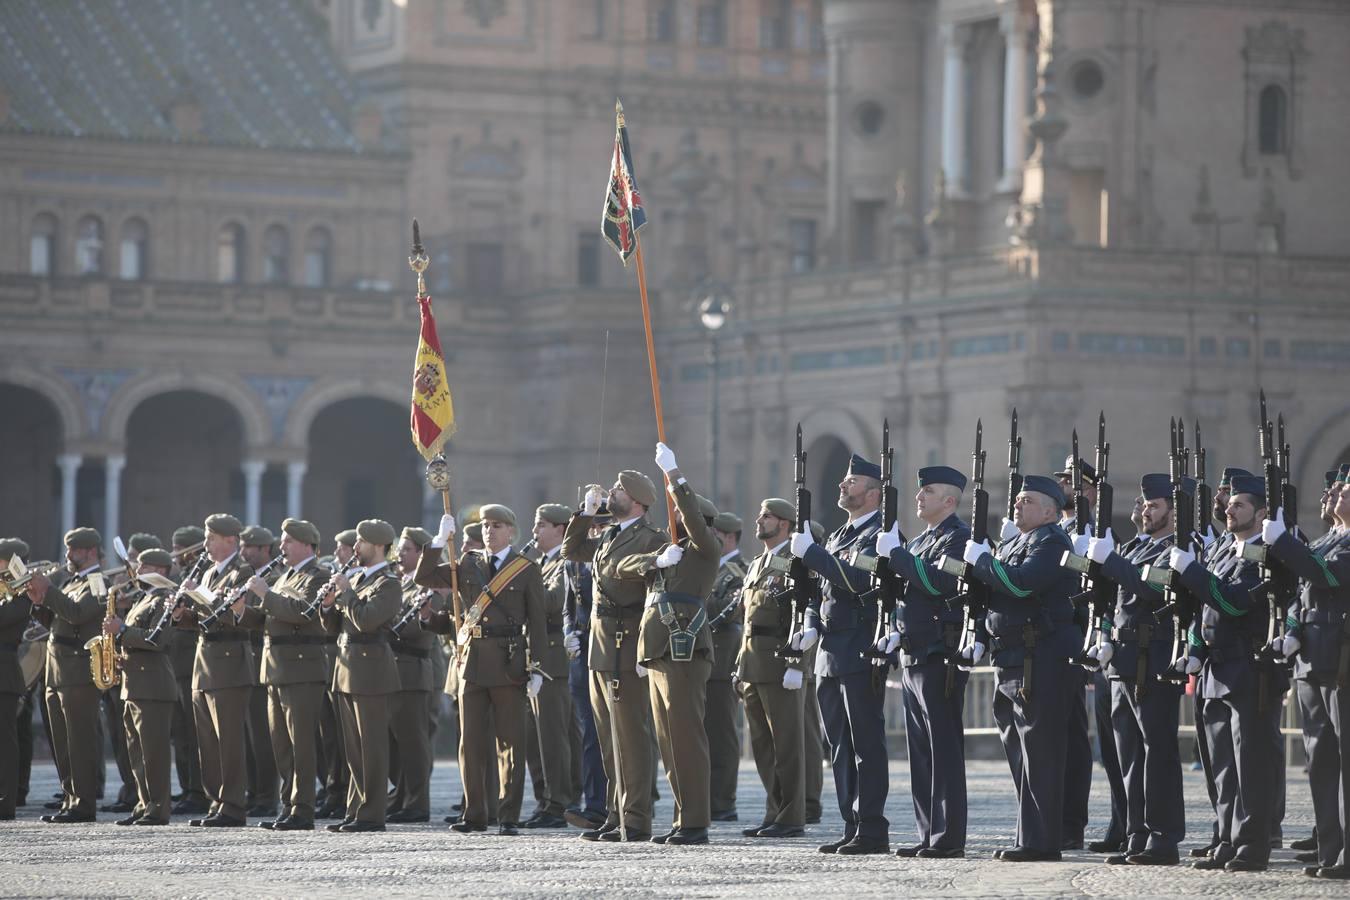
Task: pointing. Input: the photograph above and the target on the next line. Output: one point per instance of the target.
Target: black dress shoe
(329, 812)
(582, 820)
(662, 838)
(359, 827)
(121, 806)
(1118, 859)
(1311, 871)
(1023, 854)
(467, 827)
(1154, 858)
(189, 808)
(508, 829)
(406, 817)
(1210, 864)
(1308, 857)
(910, 852)
(688, 837)
(262, 812)
(291, 824)
(1244, 865)
(862, 845)
(1072, 845)
(596, 834)
(450, 819)
(1307, 843)
(68, 817)
(833, 846)
(1336, 873)
(942, 853)
(1106, 846)
(196, 823)
(269, 824)
(129, 820)
(781, 831)
(146, 820)
(753, 830)
(1202, 852)
(727, 816)
(55, 804)
(337, 826)
(223, 821)
(545, 821)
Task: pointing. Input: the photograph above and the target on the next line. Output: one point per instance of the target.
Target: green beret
(779, 507)
(143, 541)
(347, 537)
(474, 531)
(706, 509)
(83, 539)
(224, 525)
(302, 531)
(155, 556)
(187, 536)
(12, 547)
(376, 531)
(257, 536)
(728, 523)
(419, 536)
(817, 531)
(554, 513)
(495, 512)
(639, 487)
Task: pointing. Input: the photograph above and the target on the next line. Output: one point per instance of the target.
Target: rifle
(1204, 497)
(1014, 467)
(799, 598)
(1098, 592)
(971, 594)
(887, 587)
(1177, 601)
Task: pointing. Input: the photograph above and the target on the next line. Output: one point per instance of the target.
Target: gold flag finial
(618, 112)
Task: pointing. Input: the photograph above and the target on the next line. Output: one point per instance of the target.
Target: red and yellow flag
(433, 411)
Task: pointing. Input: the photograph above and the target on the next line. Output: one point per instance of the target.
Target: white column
(954, 109)
(70, 468)
(253, 472)
(1014, 102)
(112, 499)
(295, 485)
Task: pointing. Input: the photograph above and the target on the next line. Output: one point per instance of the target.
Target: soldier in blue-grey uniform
(851, 706)
(928, 634)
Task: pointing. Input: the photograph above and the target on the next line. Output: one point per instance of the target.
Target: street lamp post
(713, 312)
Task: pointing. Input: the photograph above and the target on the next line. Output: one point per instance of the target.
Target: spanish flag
(433, 412)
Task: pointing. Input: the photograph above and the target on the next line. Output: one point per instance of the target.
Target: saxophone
(103, 653)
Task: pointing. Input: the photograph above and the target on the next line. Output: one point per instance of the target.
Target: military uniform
(551, 724)
(409, 724)
(149, 692)
(591, 783)
(14, 615)
(182, 650)
(720, 713)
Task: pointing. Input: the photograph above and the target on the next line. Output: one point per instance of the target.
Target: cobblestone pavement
(102, 860)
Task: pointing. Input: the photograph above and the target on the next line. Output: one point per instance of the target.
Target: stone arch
(67, 405)
(830, 436)
(30, 491)
(844, 424)
(246, 403)
(326, 393)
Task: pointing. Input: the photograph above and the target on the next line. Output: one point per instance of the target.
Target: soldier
(332, 759)
(933, 709)
(720, 714)
(149, 690)
(1318, 642)
(294, 667)
(618, 698)
(1032, 635)
(772, 686)
(1239, 730)
(14, 614)
(362, 607)
(503, 632)
(591, 813)
(73, 613)
(255, 546)
(550, 726)
(409, 724)
(1144, 709)
(851, 707)
(182, 652)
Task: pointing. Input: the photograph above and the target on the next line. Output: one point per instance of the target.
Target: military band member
(294, 667)
(183, 654)
(1031, 636)
(149, 691)
(593, 787)
(550, 726)
(618, 696)
(332, 759)
(255, 546)
(851, 707)
(409, 725)
(362, 607)
(930, 633)
(720, 713)
(14, 615)
(772, 686)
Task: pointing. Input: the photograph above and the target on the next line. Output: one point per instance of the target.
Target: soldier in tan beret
(720, 712)
(223, 676)
(409, 725)
(294, 668)
(14, 614)
(182, 651)
(363, 607)
(333, 769)
(73, 613)
(256, 545)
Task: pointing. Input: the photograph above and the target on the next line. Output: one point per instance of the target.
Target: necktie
(492, 566)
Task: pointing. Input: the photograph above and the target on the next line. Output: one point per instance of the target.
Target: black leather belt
(73, 643)
(290, 640)
(403, 648)
(617, 612)
(767, 631)
(212, 637)
(350, 638)
(497, 631)
(1161, 634)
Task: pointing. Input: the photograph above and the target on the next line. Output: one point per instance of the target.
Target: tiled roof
(261, 72)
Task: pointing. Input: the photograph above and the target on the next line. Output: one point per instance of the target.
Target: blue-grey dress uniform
(934, 732)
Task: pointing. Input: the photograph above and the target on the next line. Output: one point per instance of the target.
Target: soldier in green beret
(182, 651)
(332, 796)
(409, 724)
(256, 545)
(720, 713)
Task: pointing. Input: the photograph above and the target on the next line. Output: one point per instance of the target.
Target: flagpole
(651, 365)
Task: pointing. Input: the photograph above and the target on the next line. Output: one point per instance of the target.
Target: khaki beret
(419, 536)
(155, 556)
(639, 487)
(728, 523)
(474, 532)
(347, 537)
(224, 525)
(257, 536)
(83, 539)
(141, 541)
(303, 531)
(12, 547)
(495, 512)
(376, 531)
(554, 513)
(188, 535)
(779, 507)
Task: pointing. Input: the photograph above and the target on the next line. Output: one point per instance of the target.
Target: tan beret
(376, 531)
(143, 541)
(639, 487)
(779, 507)
(224, 525)
(12, 547)
(419, 536)
(728, 523)
(347, 537)
(155, 556)
(257, 536)
(474, 532)
(303, 531)
(554, 513)
(83, 539)
(495, 512)
(188, 535)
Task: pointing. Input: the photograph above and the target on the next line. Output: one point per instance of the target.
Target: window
(1208, 346)
(588, 259)
(318, 253)
(276, 255)
(774, 24)
(802, 240)
(89, 246)
(230, 260)
(1239, 348)
(661, 21)
(42, 246)
(866, 231)
(1271, 116)
(484, 270)
(818, 26)
(592, 19)
(712, 23)
(1271, 347)
(1059, 340)
(135, 250)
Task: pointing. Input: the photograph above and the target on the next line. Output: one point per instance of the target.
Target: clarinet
(193, 574)
(313, 609)
(418, 599)
(236, 594)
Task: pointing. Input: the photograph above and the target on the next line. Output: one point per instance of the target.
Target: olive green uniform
(409, 723)
(149, 694)
(720, 713)
(549, 742)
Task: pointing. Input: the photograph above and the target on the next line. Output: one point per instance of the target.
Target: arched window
(42, 246)
(135, 249)
(89, 246)
(276, 255)
(318, 255)
(1271, 120)
(230, 258)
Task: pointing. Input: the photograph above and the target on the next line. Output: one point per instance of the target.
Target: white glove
(1186, 665)
(1271, 529)
(1286, 646)
(804, 640)
(665, 458)
(972, 652)
(802, 541)
(446, 531)
(591, 502)
(572, 644)
(1081, 542)
(1100, 548)
(1180, 560)
(792, 679)
(1102, 652)
(1209, 536)
(1007, 531)
(974, 551)
(641, 670)
(536, 682)
(669, 556)
(888, 541)
(888, 643)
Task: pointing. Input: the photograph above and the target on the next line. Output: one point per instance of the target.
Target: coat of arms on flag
(433, 410)
(624, 213)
